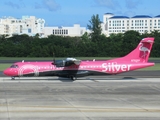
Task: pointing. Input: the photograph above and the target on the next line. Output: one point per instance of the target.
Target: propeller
(54, 60)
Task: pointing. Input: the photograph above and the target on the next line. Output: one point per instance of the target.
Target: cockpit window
(14, 66)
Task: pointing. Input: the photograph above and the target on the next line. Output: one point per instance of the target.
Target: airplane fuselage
(84, 69)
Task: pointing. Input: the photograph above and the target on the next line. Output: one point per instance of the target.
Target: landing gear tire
(73, 78)
(12, 78)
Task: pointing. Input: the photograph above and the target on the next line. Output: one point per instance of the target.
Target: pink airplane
(73, 68)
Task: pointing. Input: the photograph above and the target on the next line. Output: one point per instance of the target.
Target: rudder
(142, 52)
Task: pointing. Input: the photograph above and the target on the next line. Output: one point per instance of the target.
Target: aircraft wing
(71, 61)
(67, 62)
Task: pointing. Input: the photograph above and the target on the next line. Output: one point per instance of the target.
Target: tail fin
(141, 52)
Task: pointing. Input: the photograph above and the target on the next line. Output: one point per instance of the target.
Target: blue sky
(69, 12)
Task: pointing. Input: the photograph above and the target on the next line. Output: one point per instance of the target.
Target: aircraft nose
(9, 72)
(6, 72)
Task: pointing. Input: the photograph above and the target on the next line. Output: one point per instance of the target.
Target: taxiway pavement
(87, 98)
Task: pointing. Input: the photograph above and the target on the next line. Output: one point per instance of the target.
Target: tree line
(88, 45)
(115, 45)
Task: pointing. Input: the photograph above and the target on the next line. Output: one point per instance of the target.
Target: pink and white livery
(73, 68)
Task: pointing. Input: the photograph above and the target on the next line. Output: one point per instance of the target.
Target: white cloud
(132, 4)
(12, 4)
(50, 5)
(15, 4)
(111, 4)
(38, 5)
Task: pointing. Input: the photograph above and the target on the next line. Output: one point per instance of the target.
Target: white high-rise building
(120, 24)
(27, 25)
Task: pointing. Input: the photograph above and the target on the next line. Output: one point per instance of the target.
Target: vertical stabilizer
(142, 52)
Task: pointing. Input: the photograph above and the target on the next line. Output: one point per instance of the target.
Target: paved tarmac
(89, 98)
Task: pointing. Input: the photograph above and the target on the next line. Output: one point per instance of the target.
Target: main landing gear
(73, 78)
(12, 78)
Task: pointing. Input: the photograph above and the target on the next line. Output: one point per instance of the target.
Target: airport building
(76, 30)
(121, 24)
(26, 25)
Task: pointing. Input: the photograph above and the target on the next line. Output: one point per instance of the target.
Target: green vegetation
(26, 58)
(4, 66)
(156, 67)
(95, 27)
(116, 45)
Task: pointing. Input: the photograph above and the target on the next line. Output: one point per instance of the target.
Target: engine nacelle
(66, 62)
(63, 63)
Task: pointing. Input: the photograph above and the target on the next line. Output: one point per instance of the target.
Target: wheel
(12, 78)
(73, 78)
